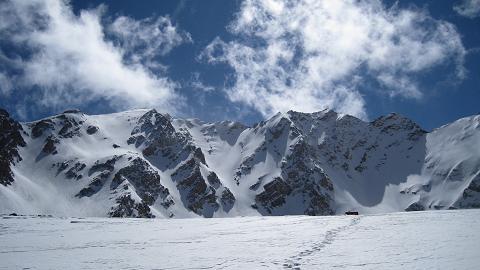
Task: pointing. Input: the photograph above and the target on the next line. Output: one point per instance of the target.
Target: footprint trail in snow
(295, 261)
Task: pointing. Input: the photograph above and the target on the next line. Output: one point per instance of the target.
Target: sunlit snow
(415, 240)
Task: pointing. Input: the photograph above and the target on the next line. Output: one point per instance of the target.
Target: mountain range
(143, 163)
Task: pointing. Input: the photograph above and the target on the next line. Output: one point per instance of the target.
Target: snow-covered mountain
(143, 163)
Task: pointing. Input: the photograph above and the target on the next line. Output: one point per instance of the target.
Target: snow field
(415, 240)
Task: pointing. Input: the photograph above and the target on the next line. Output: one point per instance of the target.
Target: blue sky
(242, 60)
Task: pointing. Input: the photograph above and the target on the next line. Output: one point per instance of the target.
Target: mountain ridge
(142, 163)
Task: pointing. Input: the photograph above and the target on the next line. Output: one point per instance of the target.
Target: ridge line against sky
(243, 60)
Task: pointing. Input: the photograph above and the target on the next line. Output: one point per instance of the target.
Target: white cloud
(144, 40)
(68, 58)
(468, 8)
(307, 55)
(399, 85)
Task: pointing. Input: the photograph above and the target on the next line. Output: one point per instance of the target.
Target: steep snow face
(146, 164)
(450, 176)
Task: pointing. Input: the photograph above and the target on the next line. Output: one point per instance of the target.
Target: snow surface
(414, 240)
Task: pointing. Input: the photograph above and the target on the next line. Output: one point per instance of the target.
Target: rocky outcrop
(75, 171)
(10, 140)
(471, 195)
(275, 194)
(301, 180)
(135, 186)
(127, 207)
(66, 125)
(392, 123)
(108, 165)
(41, 127)
(145, 181)
(70, 127)
(227, 199)
(92, 130)
(213, 180)
(158, 139)
(415, 207)
(99, 174)
(302, 186)
(94, 185)
(196, 195)
(50, 146)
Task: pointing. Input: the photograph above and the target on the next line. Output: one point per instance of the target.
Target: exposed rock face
(100, 173)
(213, 180)
(145, 180)
(308, 180)
(159, 141)
(301, 181)
(92, 130)
(108, 165)
(10, 140)
(136, 186)
(74, 171)
(71, 127)
(50, 145)
(55, 129)
(95, 185)
(471, 195)
(346, 143)
(415, 207)
(40, 127)
(274, 195)
(66, 125)
(196, 195)
(127, 207)
(227, 199)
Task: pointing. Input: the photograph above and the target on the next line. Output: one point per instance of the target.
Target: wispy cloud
(468, 8)
(64, 58)
(307, 55)
(196, 83)
(142, 41)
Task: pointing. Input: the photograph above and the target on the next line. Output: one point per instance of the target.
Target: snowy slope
(420, 240)
(145, 164)
(450, 176)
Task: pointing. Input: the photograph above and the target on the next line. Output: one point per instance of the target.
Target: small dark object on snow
(351, 213)
(115, 145)
(13, 215)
